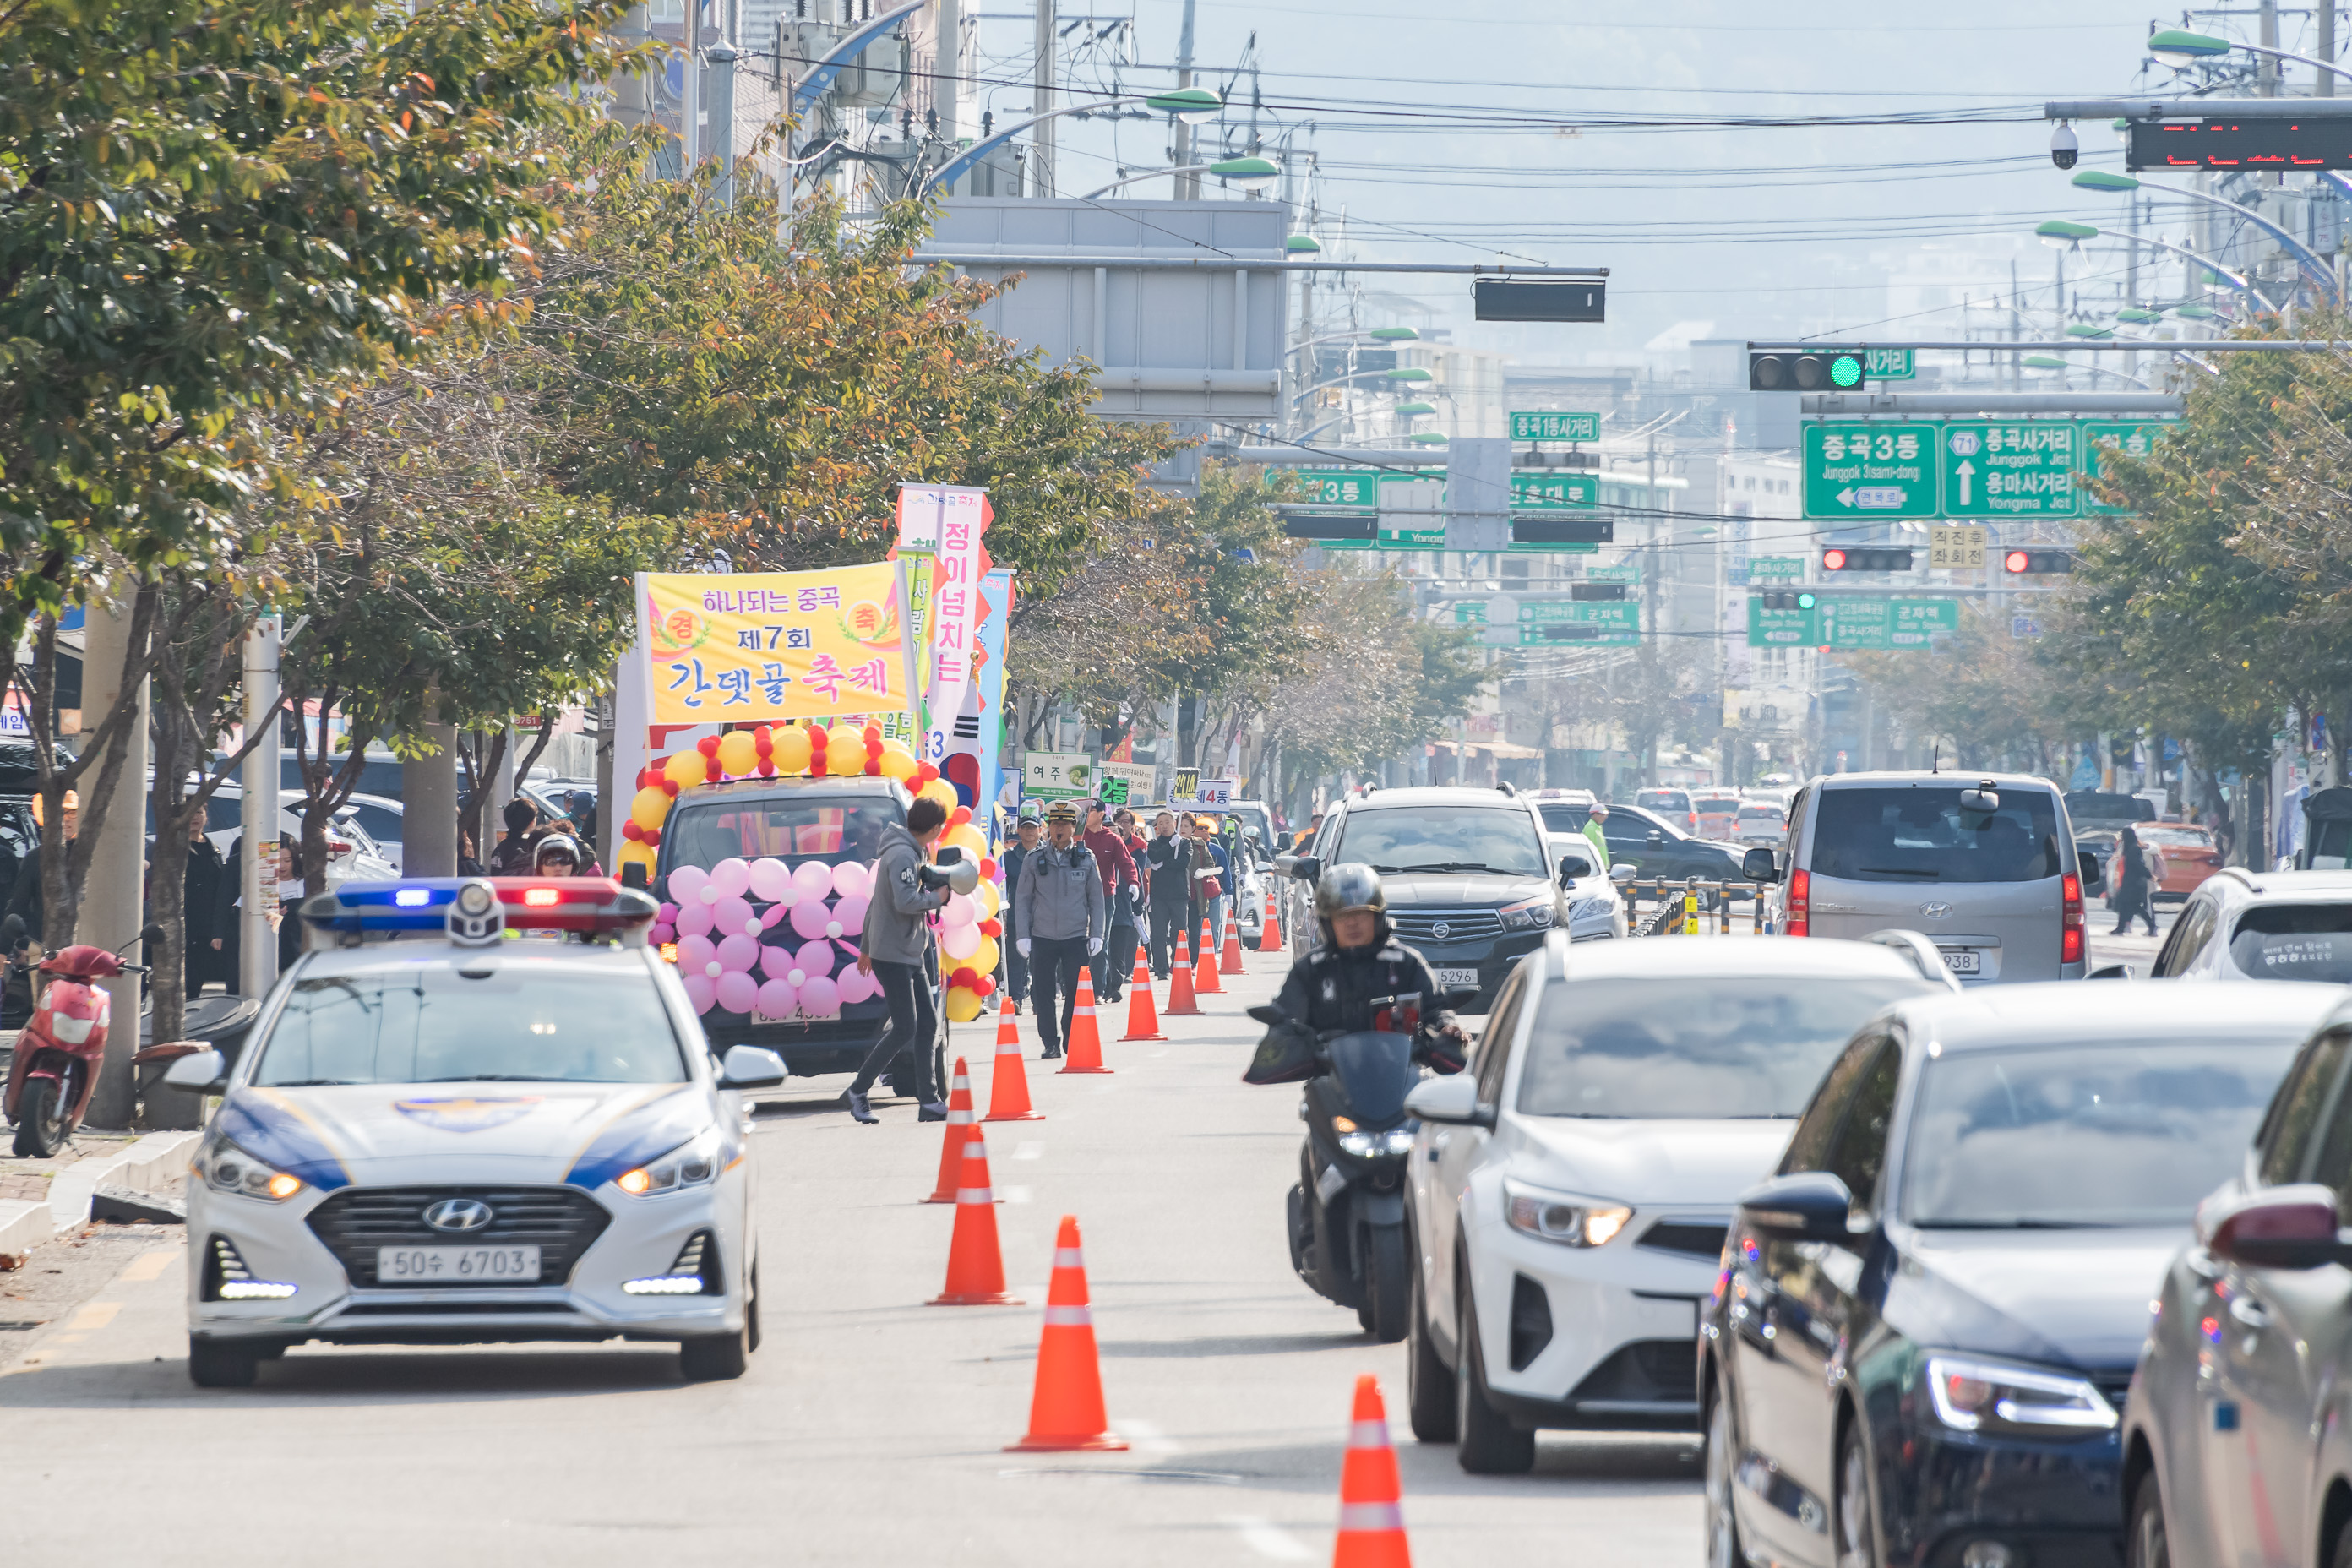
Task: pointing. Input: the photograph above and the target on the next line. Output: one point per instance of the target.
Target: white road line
(1149, 1437)
(1268, 1539)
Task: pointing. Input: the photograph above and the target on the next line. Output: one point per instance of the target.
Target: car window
(1564, 816)
(2188, 936)
(2176, 838)
(1713, 805)
(2116, 1134)
(2294, 942)
(1442, 838)
(1494, 1044)
(1924, 835)
(380, 825)
(1759, 814)
(1860, 1155)
(433, 1025)
(829, 829)
(1809, 1146)
(2301, 1109)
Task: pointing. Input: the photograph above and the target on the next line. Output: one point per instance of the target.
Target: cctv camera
(2062, 145)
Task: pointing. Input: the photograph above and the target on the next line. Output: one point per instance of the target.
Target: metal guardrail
(1696, 906)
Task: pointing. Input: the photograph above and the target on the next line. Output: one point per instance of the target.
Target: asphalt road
(871, 1427)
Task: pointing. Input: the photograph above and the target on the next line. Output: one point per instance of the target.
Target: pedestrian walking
(1209, 874)
(1062, 920)
(200, 914)
(1166, 858)
(2134, 880)
(1117, 863)
(892, 948)
(1594, 836)
(1027, 835)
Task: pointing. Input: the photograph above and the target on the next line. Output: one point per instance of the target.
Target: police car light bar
(423, 905)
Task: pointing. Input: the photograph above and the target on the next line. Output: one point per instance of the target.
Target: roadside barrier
(1204, 963)
(975, 1263)
(1084, 1044)
(1180, 980)
(1066, 1404)
(1230, 962)
(1008, 1080)
(1697, 906)
(958, 1128)
(1269, 935)
(1371, 1494)
(1143, 1017)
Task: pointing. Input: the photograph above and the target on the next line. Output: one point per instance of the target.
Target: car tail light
(1801, 888)
(2070, 939)
(340, 846)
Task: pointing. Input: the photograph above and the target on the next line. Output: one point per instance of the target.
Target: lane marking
(1268, 1539)
(1029, 1149)
(1016, 1194)
(1148, 1436)
(149, 1265)
(93, 1317)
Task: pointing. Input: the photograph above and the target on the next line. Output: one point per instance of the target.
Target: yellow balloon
(984, 958)
(897, 763)
(738, 753)
(968, 838)
(963, 1006)
(791, 753)
(990, 901)
(938, 790)
(634, 853)
(844, 754)
(649, 807)
(687, 769)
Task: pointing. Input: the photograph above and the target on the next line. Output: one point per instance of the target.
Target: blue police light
(413, 906)
(413, 897)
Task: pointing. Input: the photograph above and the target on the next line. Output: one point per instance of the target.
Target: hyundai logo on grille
(1935, 911)
(1442, 930)
(458, 1214)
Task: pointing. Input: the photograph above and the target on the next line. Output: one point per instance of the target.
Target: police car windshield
(1442, 838)
(434, 1026)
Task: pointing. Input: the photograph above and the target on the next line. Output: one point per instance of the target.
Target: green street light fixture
(2042, 362)
(2195, 312)
(1302, 245)
(1428, 438)
(1408, 372)
(1192, 105)
(2103, 180)
(2059, 234)
(2180, 49)
(1409, 409)
(1249, 174)
(2118, 185)
(1396, 334)
(2133, 313)
(2085, 329)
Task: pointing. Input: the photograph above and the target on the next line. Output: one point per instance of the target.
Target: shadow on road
(1583, 1465)
(327, 1376)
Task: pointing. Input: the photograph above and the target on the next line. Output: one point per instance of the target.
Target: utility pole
(1041, 138)
(2322, 83)
(1188, 186)
(1649, 569)
(949, 92)
(2016, 365)
(257, 851)
(111, 899)
(722, 121)
(689, 130)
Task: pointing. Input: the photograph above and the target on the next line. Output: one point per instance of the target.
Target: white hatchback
(1569, 1194)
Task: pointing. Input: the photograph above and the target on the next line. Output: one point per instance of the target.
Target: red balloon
(986, 984)
(629, 830)
(987, 865)
(873, 767)
(964, 977)
(670, 788)
(766, 767)
(653, 839)
(708, 745)
(716, 771)
(873, 732)
(959, 816)
(992, 927)
(873, 744)
(925, 774)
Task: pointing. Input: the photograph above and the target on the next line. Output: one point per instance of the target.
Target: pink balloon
(694, 920)
(770, 878)
(851, 913)
(813, 879)
(687, 882)
(737, 954)
(731, 877)
(737, 992)
(820, 998)
(811, 916)
(851, 879)
(962, 941)
(777, 999)
(667, 914)
(815, 958)
(775, 915)
(856, 987)
(695, 954)
(663, 931)
(960, 910)
(701, 991)
(730, 915)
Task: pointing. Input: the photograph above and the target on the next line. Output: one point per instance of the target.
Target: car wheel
(1722, 1520)
(1388, 1282)
(1428, 1381)
(714, 1358)
(752, 1308)
(2145, 1544)
(1489, 1444)
(40, 1120)
(1857, 1525)
(220, 1364)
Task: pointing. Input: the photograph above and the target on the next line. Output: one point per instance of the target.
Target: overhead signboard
(1852, 622)
(1523, 622)
(1888, 365)
(2277, 146)
(1410, 509)
(1539, 300)
(1778, 568)
(2132, 440)
(1972, 468)
(2009, 468)
(1553, 489)
(1619, 571)
(1550, 425)
(1869, 472)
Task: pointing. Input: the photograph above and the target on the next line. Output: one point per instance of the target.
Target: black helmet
(1351, 886)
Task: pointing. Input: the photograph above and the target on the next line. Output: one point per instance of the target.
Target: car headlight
(1974, 1395)
(1572, 1222)
(229, 1169)
(1531, 914)
(692, 1164)
(1598, 906)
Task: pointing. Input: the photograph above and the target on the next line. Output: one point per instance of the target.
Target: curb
(145, 1166)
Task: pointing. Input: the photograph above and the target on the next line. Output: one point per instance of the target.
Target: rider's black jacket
(1332, 987)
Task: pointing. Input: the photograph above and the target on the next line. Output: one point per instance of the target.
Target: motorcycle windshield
(1375, 1072)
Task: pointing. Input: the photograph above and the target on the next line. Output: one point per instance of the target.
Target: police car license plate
(1960, 963)
(457, 1265)
(1455, 977)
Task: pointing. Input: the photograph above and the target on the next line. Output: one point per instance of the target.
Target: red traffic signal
(2026, 562)
(1861, 559)
(1833, 559)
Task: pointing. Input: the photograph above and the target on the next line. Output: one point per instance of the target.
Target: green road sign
(2024, 468)
(1842, 621)
(1776, 568)
(1623, 572)
(1619, 625)
(1555, 426)
(1865, 472)
(1780, 628)
(1340, 486)
(2132, 440)
(1363, 488)
(1888, 364)
(1551, 491)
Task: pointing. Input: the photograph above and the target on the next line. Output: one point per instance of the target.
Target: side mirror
(2095, 879)
(1268, 1013)
(1805, 1206)
(198, 1072)
(1655, 836)
(1623, 871)
(1307, 868)
(1572, 867)
(2279, 1228)
(2111, 972)
(750, 1067)
(1452, 1101)
(1759, 866)
(149, 935)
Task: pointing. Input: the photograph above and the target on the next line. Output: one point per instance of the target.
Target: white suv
(2262, 925)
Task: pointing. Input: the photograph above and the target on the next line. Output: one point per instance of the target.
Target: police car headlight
(1533, 914)
(692, 1164)
(1572, 1222)
(229, 1169)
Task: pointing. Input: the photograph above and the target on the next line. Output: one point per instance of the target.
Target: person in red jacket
(1117, 863)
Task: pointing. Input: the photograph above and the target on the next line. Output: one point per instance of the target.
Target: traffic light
(1305, 522)
(1786, 599)
(1556, 529)
(1600, 593)
(1568, 631)
(1825, 370)
(2026, 562)
(1841, 559)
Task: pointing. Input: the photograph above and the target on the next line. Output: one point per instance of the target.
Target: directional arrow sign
(2020, 469)
(1964, 495)
(1870, 471)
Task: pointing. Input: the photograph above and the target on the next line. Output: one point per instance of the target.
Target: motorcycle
(1349, 1239)
(54, 1067)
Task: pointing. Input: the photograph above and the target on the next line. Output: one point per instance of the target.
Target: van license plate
(1960, 963)
(1455, 977)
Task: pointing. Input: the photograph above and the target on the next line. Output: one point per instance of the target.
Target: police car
(475, 1109)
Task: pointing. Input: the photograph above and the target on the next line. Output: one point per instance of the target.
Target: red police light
(1833, 559)
(2016, 561)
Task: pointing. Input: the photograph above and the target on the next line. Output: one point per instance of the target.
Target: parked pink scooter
(54, 1067)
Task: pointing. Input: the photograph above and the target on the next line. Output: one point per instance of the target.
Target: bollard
(1690, 905)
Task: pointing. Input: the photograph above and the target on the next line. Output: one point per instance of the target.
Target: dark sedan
(1649, 843)
(1920, 1340)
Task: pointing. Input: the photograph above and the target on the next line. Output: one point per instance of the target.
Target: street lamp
(1192, 105)
(1302, 245)
(2059, 234)
(2109, 183)
(2181, 49)
(1249, 174)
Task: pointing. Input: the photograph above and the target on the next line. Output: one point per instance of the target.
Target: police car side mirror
(198, 1072)
(750, 1067)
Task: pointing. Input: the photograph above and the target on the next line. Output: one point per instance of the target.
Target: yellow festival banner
(747, 646)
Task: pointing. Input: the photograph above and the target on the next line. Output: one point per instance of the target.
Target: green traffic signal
(1805, 601)
(1845, 370)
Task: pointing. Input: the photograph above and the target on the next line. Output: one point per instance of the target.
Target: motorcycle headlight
(1367, 1145)
(229, 1169)
(1974, 1395)
(692, 1164)
(1530, 914)
(1571, 1222)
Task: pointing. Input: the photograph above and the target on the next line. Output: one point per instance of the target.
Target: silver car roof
(2116, 1012)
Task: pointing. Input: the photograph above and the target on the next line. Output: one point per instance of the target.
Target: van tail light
(2070, 939)
(1801, 888)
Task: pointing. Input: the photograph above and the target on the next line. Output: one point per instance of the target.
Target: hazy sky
(1426, 121)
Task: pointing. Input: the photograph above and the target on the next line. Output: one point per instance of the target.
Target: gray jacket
(894, 929)
(1060, 896)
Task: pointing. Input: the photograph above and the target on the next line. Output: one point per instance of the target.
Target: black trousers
(1166, 920)
(1116, 966)
(2132, 903)
(914, 1020)
(1016, 970)
(1054, 965)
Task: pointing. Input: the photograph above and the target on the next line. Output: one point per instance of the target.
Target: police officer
(1060, 908)
(1358, 959)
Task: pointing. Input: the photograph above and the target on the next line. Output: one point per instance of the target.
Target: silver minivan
(1984, 865)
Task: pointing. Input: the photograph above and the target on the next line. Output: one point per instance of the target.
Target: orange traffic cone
(1371, 1522)
(975, 1264)
(1066, 1409)
(1204, 967)
(1084, 1044)
(1008, 1084)
(1143, 1017)
(1269, 935)
(1180, 980)
(1231, 961)
(959, 1129)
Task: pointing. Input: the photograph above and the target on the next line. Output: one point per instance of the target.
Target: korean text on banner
(949, 520)
(746, 646)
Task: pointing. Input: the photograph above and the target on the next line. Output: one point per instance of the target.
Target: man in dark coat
(1167, 860)
(200, 911)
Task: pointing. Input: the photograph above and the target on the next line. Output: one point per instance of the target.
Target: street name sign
(1554, 489)
(2132, 440)
(2021, 468)
(1958, 549)
(1888, 365)
(1869, 472)
(1779, 568)
(1845, 621)
(1554, 425)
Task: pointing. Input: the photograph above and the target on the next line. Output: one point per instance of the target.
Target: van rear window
(1922, 834)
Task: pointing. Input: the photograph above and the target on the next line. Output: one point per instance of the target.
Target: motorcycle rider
(1358, 959)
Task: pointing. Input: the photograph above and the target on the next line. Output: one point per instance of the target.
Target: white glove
(1021, 945)
(1094, 946)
